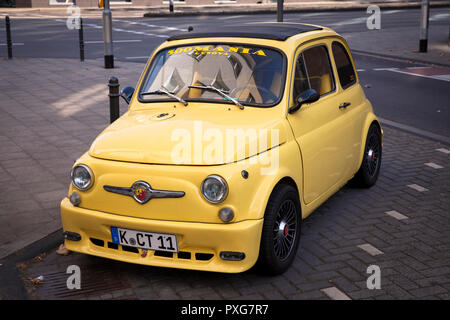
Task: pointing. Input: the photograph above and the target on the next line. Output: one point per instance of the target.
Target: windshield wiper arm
(221, 92)
(164, 91)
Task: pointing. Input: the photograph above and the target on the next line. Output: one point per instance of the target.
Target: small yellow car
(233, 136)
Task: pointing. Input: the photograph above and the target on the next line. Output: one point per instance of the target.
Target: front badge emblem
(139, 194)
(142, 192)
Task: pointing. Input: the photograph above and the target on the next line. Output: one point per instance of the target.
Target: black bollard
(81, 37)
(280, 4)
(113, 99)
(423, 41)
(8, 37)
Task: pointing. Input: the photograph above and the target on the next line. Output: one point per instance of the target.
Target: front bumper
(200, 244)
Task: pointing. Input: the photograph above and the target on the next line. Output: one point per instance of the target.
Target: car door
(320, 128)
(351, 100)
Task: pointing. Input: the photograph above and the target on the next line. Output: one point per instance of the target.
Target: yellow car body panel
(122, 140)
(312, 154)
(195, 238)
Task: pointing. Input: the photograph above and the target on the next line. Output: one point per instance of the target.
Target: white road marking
(370, 249)
(96, 26)
(229, 17)
(360, 70)
(14, 44)
(384, 69)
(412, 68)
(390, 11)
(114, 41)
(397, 215)
(316, 14)
(335, 294)
(440, 16)
(142, 57)
(438, 77)
(350, 21)
(433, 165)
(444, 77)
(443, 150)
(149, 25)
(417, 187)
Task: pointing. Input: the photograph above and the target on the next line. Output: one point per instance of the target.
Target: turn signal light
(75, 199)
(226, 214)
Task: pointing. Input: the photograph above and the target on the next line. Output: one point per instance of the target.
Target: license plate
(144, 239)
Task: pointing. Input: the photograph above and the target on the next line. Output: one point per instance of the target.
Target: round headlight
(82, 177)
(214, 189)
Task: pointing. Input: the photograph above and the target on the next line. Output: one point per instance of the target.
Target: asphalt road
(403, 97)
(37, 35)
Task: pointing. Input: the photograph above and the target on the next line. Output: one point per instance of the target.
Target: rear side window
(344, 65)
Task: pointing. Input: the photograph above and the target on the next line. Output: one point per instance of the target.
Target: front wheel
(281, 231)
(367, 174)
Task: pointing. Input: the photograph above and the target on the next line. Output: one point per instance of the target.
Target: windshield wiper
(164, 91)
(221, 92)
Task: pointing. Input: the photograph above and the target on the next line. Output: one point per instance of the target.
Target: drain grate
(94, 283)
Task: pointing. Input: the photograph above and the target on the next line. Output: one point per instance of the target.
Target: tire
(367, 174)
(281, 231)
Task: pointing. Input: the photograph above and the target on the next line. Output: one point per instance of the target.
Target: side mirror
(308, 96)
(127, 93)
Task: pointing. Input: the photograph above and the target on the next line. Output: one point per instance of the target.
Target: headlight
(214, 189)
(82, 177)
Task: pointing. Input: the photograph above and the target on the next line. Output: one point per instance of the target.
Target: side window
(313, 71)
(344, 65)
(301, 82)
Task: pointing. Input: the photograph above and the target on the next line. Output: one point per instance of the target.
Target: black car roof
(273, 31)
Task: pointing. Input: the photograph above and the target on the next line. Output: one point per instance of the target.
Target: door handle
(344, 105)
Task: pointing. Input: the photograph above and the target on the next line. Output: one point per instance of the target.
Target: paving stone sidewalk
(50, 111)
(393, 225)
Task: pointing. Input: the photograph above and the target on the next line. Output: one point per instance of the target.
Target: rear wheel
(368, 173)
(281, 231)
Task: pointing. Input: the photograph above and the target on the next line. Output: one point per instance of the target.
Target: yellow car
(233, 136)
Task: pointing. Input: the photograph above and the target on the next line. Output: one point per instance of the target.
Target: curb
(415, 131)
(398, 58)
(11, 285)
(287, 9)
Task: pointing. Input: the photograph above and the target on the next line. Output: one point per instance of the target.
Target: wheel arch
(287, 180)
(370, 120)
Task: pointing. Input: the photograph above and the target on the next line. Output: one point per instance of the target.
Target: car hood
(192, 135)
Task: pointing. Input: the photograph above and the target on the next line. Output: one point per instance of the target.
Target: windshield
(246, 74)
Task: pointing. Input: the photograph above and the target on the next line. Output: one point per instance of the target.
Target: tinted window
(313, 71)
(344, 65)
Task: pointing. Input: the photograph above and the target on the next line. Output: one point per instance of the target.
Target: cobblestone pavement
(401, 225)
(50, 110)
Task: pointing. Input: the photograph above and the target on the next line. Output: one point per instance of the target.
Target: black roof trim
(273, 31)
